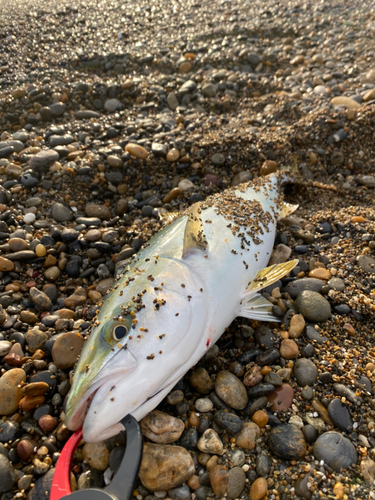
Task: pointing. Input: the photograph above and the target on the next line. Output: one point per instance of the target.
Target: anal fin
(267, 276)
(257, 307)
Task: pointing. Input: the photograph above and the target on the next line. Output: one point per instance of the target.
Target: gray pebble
(43, 160)
(7, 474)
(300, 285)
(313, 306)
(305, 371)
(335, 450)
(61, 213)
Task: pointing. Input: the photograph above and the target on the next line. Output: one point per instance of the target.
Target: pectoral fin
(267, 276)
(194, 237)
(257, 307)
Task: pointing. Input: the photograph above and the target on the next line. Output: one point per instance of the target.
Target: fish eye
(119, 332)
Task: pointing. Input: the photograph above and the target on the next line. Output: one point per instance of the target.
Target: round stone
(18, 244)
(10, 390)
(288, 349)
(287, 442)
(112, 105)
(201, 381)
(203, 405)
(43, 160)
(281, 398)
(137, 151)
(247, 436)
(268, 167)
(236, 482)
(335, 450)
(102, 212)
(228, 421)
(61, 213)
(164, 467)
(66, 349)
(300, 285)
(260, 418)
(161, 428)
(219, 480)
(306, 372)
(231, 390)
(7, 474)
(296, 326)
(218, 159)
(40, 299)
(313, 306)
(258, 489)
(340, 415)
(6, 264)
(173, 155)
(96, 455)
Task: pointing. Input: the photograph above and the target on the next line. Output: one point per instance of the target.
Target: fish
(174, 300)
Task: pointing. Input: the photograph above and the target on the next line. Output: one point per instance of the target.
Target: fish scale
(174, 300)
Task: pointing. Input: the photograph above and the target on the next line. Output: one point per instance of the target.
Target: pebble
(303, 284)
(335, 450)
(137, 151)
(61, 213)
(11, 390)
(296, 326)
(228, 421)
(258, 489)
(173, 155)
(340, 415)
(96, 455)
(164, 467)
(40, 299)
(201, 381)
(161, 428)
(313, 306)
(219, 479)
(7, 474)
(77, 298)
(100, 211)
(281, 398)
(236, 482)
(40, 162)
(287, 442)
(231, 390)
(289, 349)
(247, 436)
(66, 349)
(204, 405)
(210, 442)
(6, 264)
(367, 467)
(305, 371)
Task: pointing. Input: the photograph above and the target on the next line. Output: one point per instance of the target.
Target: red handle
(61, 478)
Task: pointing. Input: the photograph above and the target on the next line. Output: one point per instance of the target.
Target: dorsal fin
(194, 237)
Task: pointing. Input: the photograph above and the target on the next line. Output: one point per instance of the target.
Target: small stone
(335, 450)
(41, 489)
(96, 455)
(268, 167)
(52, 273)
(164, 467)
(287, 442)
(369, 95)
(247, 436)
(185, 67)
(340, 415)
(90, 479)
(201, 381)
(61, 213)
(209, 90)
(210, 443)
(137, 151)
(345, 101)
(47, 423)
(253, 376)
(219, 479)
(18, 244)
(203, 405)
(10, 390)
(5, 347)
(228, 421)
(289, 349)
(320, 273)
(28, 403)
(231, 390)
(258, 489)
(36, 339)
(35, 389)
(161, 428)
(368, 470)
(6, 264)
(306, 372)
(77, 298)
(263, 464)
(313, 306)
(172, 195)
(296, 326)
(66, 349)
(218, 159)
(7, 474)
(281, 398)
(100, 211)
(236, 482)
(43, 160)
(112, 105)
(40, 299)
(367, 263)
(40, 250)
(302, 284)
(173, 155)
(172, 101)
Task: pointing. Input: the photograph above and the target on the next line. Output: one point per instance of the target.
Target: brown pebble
(50, 261)
(258, 489)
(289, 349)
(281, 398)
(30, 402)
(35, 389)
(40, 250)
(296, 326)
(137, 151)
(172, 195)
(193, 482)
(320, 273)
(260, 418)
(65, 313)
(219, 479)
(77, 298)
(173, 155)
(47, 423)
(18, 244)
(10, 390)
(66, 349)
(268, 167)
(25, 449)
(13, 359)
(349, 329)
(6, 264)
(185, 67)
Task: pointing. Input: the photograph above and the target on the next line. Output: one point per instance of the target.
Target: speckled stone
(231, 390)
(11, 390)
(210, 442)
(96, 455)
(305, 371)
(287, 442)
(335, 450)
(161, 428)
(313, 306)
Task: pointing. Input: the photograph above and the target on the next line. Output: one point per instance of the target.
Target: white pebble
(29, 218)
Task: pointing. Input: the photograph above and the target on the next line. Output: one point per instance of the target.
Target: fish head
(142, 335)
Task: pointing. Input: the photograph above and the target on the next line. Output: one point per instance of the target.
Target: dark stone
(9, 431)
(310, 433)
(7, 474)
(264, 336)
(42, 487)
(189, 438)
(340, 415)
(305, 372)
(263, 464)
(335, 450)
(297, 286)
(248, 356)
(260, 390)
(268, 357)
(287, 442)
(228, 421)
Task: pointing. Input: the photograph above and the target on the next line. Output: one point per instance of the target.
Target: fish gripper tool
(121, 486)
